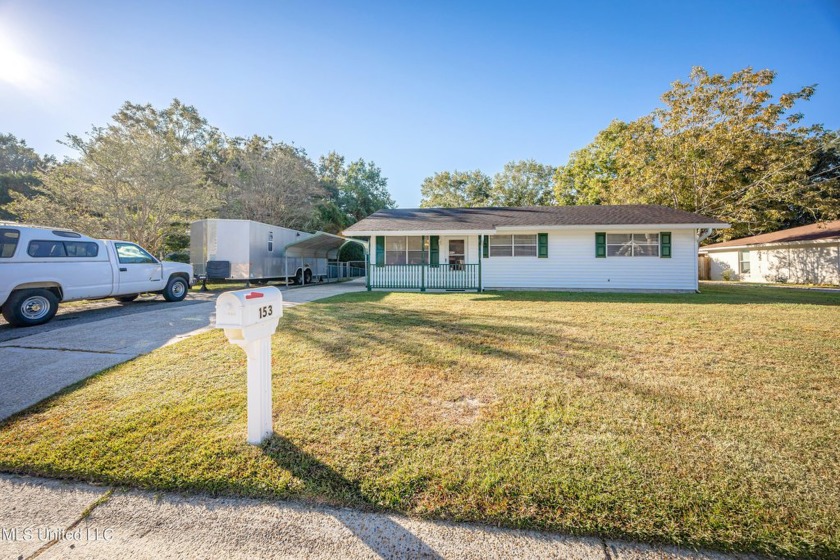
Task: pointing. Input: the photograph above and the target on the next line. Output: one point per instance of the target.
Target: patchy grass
(708, 420)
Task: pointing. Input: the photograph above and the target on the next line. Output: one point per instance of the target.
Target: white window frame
(513, 244)
(424, 244)
(741, 254)
(633, 243)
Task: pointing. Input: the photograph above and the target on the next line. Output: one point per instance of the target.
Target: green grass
(707, 420)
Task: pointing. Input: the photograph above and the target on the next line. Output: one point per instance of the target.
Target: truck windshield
(8, 242)
(129, 253)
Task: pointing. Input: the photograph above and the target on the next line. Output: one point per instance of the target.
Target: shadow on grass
(383, 536)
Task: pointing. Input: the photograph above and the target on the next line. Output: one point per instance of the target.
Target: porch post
(422, 266)
(368, 268)
(480, 245)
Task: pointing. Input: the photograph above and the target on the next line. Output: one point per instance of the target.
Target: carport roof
(320, 245)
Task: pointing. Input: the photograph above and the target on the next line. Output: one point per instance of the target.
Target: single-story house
(608, 248)
(801, 255)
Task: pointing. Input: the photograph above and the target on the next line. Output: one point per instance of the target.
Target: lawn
(707, 420)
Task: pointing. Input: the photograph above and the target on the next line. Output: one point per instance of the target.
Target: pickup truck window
(129, 253)
(8, 242)
(51, 248)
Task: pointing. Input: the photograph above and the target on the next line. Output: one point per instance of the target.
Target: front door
(138, 270)
(457, 254)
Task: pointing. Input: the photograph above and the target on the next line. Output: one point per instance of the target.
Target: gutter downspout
(702, 236)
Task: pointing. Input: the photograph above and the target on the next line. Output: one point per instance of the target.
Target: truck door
(137, 271)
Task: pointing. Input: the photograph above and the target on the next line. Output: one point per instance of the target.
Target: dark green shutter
(380, 251)
(434, 250)
(665, 245)
(542, 245)
(486, 247)
(600, 245)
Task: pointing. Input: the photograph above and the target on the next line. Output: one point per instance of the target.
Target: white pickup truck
(39, 267)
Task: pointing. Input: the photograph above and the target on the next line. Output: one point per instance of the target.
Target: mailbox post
(249, 318)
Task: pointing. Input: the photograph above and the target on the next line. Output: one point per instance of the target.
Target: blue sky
(417, 87)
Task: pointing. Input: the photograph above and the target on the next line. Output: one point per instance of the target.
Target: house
(802, 255)
(608, 248)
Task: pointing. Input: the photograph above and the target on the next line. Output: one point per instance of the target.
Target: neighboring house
(803, 255)
(610, 248)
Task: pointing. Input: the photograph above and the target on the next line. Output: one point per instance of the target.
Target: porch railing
(425, 277)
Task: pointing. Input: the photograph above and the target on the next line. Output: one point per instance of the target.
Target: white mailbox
(249, 318)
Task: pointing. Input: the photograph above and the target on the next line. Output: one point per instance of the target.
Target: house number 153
(266, 311)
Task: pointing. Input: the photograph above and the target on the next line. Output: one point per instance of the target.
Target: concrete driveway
(86, 338)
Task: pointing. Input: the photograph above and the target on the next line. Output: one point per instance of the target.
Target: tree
(721, 146)
(269, 182)
(590, 172)
(138, 178)
(523, 183)
(456, 189)
(19, 166)
(351, 192)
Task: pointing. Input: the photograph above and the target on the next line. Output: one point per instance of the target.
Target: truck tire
(126, 299)
(176, 289)
(307, 276)
(27, 308)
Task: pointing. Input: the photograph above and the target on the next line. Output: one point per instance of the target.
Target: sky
(416, 87)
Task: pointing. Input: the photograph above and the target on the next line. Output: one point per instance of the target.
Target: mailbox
(249, 318)
(254, 312)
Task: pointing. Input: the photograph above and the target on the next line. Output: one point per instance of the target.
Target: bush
(178, 256)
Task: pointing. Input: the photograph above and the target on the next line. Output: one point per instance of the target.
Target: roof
(320, 245)
(490, 218)
(811, 232)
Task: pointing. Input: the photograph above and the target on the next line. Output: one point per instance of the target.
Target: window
(270, 241)
(81, 248)
(41, 249)
(406, 250)
(513, 245)
(744, 262)
(8, 242)
(129, 253)
(632, 244)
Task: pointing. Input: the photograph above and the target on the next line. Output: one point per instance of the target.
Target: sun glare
(16, 68)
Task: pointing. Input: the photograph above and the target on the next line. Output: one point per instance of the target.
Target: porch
(455, 277)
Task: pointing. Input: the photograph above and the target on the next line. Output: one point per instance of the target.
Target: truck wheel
(176, 289)
(126, 299)
(307, 276)
(28, 308)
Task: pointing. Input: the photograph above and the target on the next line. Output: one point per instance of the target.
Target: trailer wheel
(307, 276)
(298, 279)
(27, 308)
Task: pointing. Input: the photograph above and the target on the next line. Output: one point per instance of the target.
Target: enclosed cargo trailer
(250, 251)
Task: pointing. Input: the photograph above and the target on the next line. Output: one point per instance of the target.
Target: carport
(322, 245)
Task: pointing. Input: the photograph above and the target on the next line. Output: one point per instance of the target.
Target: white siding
(571, 264)
(797, 264)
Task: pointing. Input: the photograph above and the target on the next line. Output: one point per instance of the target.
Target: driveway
(89, 337)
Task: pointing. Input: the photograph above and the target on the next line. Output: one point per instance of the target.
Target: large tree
(269, 182)
(351, 191)
(456, 189)
(138, 178)
(722, 146)
(523, 183)
(19, 168)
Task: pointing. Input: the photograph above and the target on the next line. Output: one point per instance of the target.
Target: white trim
(799, 243)
(536, 229)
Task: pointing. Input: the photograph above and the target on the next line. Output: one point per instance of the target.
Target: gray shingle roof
(812, 232)
(431, 219)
